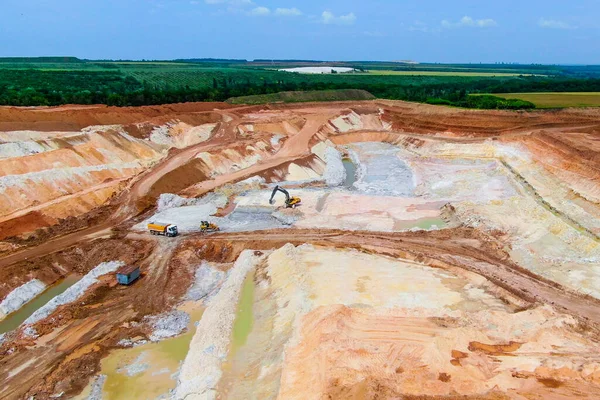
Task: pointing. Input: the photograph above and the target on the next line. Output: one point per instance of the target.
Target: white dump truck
(161, 228)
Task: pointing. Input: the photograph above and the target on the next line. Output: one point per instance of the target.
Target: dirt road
(293, 149)
(139, 188)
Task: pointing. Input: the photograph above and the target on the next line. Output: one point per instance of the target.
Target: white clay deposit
(74, 292)
(335, 173)
(20, 296)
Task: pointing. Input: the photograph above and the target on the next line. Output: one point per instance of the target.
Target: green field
(557, 100)
(201, 75)
(68, 80)
(448, 73)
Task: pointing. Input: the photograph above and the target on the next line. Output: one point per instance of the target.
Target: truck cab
(172, 230)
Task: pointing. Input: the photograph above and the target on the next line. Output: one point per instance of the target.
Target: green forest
(57, 81)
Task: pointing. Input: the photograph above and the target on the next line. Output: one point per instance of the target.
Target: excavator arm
(277, 188)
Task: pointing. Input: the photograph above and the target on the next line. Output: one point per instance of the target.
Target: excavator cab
(290, 202)
(206, 226)
(293, 202)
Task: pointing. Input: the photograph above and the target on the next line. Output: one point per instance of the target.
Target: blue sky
(526, 31)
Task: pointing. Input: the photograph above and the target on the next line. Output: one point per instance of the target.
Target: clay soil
(73, 118)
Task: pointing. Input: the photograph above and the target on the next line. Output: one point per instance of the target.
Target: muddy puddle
(14, 320)
(148, 371)
(350, 172)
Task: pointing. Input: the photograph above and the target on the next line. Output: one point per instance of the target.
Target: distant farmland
(447, 73)
(59, 80)
(556, 100)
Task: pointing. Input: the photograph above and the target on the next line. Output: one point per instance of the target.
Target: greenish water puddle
(14, 320)
(422, 223)
(155, 365)
(350, 172)
(242, 327)
(244, 318)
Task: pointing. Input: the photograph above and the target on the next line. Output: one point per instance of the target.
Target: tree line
(51, 88)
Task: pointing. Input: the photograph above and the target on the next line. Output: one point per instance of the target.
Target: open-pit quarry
(436, 252)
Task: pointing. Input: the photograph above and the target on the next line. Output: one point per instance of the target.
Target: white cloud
(469, 22)
(554, 24)
(242, 6)
(260, 11)
(329, 18)
(230, 6)
(288, 12)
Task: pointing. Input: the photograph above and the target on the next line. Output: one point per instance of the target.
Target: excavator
(206, 227)
(290, 202)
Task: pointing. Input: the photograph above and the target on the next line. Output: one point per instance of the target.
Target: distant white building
(318, 70)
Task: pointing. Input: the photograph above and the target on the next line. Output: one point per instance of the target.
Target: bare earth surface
(437, 252)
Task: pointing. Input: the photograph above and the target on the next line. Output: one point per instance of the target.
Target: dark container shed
(128, 274)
